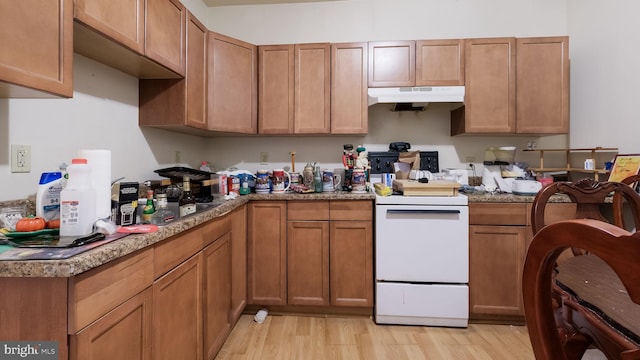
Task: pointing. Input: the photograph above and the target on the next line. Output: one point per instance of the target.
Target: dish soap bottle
(149, 208)
(186, 201)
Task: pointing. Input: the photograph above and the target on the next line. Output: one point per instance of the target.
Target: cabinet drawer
(498, 214)
(308, 210)
(171, 252)
(215, 229)
(98, 291)
(555, 212)
(351, 210)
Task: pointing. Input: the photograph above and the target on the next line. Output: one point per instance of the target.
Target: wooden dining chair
(619, 201)
(563, 328)
(589, 195)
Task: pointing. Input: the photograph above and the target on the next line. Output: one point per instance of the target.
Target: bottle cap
(79, 161)
(48, 177)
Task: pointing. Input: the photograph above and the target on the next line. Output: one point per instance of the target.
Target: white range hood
(416, 95)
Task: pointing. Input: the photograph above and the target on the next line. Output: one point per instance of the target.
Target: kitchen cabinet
(392, 63)
(294, 89)
(542, 90)
(180, 104)
(217, 294)
(499, 235)
(440, 62)
(238, 262)
(323, 257)
(177, 312)
(490, 84)
(231, 85)
(515, 86)
(267, 253)
(128, 325)
(349, 100)
(38, 48)
(351, 253)
(143, 38)
(308, 253)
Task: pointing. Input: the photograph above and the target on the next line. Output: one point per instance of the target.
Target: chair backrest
(588, 194)
(618, 204)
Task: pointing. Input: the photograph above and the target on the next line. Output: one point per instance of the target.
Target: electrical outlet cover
(20, 158)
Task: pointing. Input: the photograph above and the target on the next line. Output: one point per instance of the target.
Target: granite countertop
(113, 250)
(511, 198)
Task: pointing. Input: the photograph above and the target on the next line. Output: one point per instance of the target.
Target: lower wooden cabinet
(499, 235)
(177, 312)
(124, 333)
(326, 251)
(238, 262)
(217, 294)
(266, 253)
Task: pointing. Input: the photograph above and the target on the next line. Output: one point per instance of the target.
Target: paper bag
(409, 157)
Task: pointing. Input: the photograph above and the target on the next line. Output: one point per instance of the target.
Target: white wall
(103, 112)
(604, 73)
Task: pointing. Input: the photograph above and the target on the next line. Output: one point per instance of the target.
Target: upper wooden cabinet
(392, 63)
(490, 84)
(37, 56)
(180, 104)
(349, 107)
(144, 38)
(515, 86)
(542, 78)
(294, 89)
(439, 62)
(232, 85)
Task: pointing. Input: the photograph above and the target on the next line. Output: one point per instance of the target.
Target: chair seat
(595, 286)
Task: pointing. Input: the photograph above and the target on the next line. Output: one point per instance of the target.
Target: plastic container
(78, 201)
(48, 195)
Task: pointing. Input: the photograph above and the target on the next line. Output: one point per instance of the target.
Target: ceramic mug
(296, 178)
(280, 181)
(262, 182)
(358, 181)
(330, 181)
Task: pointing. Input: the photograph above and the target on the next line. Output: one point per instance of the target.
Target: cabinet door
(490, 86)
(37, 47)
(542, 85)
(392, 63)
(179, 104)
(121, 20)
(124, 333)
(238, 262)
(308, 262)
(177, 312)
(165, 33)
(267, 253)
(196, 73)
(351, 261)
(312, 88)
(439, 62)
(217, 294)
(496, 257)
(275, 89)
(349, 101)
(232, 85)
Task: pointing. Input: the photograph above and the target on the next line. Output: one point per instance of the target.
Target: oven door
(422, 243)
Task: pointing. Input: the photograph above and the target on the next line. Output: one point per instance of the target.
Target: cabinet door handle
(422, 211)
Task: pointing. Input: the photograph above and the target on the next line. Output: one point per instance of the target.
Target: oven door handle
(421, 211)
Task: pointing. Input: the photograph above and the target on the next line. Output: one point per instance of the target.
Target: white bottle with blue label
(48, 196)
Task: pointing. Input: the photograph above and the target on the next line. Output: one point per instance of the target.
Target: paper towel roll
(100, 162)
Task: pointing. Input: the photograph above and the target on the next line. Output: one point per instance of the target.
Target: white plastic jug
(78, 201)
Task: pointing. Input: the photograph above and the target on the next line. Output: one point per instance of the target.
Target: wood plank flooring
(307, 337)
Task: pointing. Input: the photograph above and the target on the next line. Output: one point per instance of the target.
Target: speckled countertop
(127, 245)
(511, 198)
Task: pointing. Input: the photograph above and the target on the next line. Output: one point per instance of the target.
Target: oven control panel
(382, 161)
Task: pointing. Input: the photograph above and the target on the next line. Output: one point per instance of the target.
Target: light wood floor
(307, 337)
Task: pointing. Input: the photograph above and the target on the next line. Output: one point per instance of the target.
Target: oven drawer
(418, 304)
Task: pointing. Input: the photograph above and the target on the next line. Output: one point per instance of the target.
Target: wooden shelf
(593, 151)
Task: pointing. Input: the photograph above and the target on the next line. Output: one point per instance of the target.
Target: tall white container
(100, 163)
(78, 201)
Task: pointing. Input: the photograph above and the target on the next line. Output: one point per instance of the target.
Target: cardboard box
(125, 203)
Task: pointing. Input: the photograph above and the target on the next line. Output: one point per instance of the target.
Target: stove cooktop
(460, 200)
